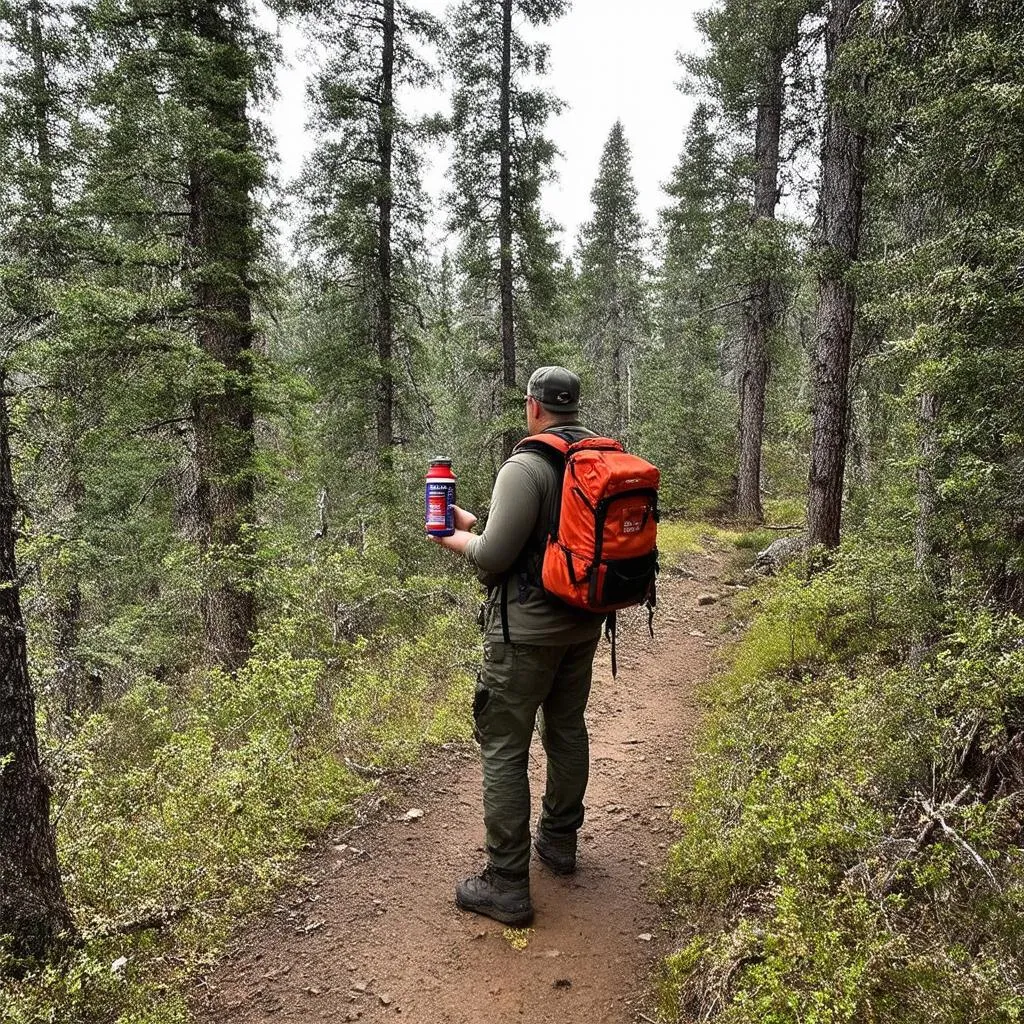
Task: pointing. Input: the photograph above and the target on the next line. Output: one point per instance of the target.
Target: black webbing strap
(504, 611)
(609, 632)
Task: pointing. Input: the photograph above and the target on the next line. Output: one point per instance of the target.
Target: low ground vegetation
(186, 801)
(855, 812)
(182, 804)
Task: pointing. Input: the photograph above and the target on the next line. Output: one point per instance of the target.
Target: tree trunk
(33, 911)
(222, 251)
(40, 108)
(841, 205)
(759, 310)
(385, 318)
(924, 534)
(68, 673)
(508, 342)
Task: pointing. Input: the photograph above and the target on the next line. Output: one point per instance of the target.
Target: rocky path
(375, 936)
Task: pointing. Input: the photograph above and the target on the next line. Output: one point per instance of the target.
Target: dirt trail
(375, 935)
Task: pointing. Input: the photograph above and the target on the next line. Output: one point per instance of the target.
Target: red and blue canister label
(440, 499)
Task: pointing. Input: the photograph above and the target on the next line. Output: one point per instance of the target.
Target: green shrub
(194, 793)
(853, 812)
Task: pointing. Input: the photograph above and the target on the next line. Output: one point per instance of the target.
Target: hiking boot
(562, 862)
(496, 895)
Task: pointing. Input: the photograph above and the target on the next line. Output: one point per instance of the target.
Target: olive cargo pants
(516, 682)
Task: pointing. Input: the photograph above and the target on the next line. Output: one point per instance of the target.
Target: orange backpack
(601, 551)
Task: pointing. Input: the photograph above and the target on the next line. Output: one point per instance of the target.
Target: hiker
(538, 659)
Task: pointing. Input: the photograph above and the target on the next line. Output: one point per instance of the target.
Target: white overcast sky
(609, 59)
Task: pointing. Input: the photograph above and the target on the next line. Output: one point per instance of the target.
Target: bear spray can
(440, 498)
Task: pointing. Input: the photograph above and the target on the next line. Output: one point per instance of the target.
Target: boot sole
(510, 917)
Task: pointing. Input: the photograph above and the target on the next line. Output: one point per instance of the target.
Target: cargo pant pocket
(486, 678)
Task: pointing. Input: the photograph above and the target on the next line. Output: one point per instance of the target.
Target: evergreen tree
(840, 214)
(613, 281)
(221, 248)
(182, 164)
(501, 159)
(692, 225)
(688, 411)
(364, 206)
(948, 245)
(36, 103)
(41, 94)
(752, 50)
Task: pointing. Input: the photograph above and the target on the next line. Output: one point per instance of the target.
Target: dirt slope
(375, 935)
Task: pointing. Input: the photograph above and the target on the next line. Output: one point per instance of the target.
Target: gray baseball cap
(556, 388)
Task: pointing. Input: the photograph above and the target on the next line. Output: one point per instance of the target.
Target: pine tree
(40, 129)
(501, 159)
(840, 215)
(948, 247)
(182, 164)
(687, 408)
(34, 915)
(751, 50)
(613, 281)
(691, 226)
(364, 205)
(221, 251)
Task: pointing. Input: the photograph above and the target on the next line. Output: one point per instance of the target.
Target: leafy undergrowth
(679, 537)
(850, 848)
(190, 798)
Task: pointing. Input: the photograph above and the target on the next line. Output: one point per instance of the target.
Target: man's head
(552, 397)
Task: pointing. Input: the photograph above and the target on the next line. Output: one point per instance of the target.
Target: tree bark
(33, 910)
(928, 447)
(759, 311)
(68, 671)
(385, 317)
(841, 207)
(41, 108)
(508, 343)
(222, 250)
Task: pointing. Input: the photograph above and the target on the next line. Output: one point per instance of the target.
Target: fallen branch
(367, 769)
(153, 920)
(961, 842)
(923, 837)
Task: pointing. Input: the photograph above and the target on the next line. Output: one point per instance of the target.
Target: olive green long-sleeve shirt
(512, 544)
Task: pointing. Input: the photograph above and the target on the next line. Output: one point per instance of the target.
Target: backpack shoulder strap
(554, 448)
(548, 443)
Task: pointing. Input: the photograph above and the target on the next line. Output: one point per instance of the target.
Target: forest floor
(372, 934)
